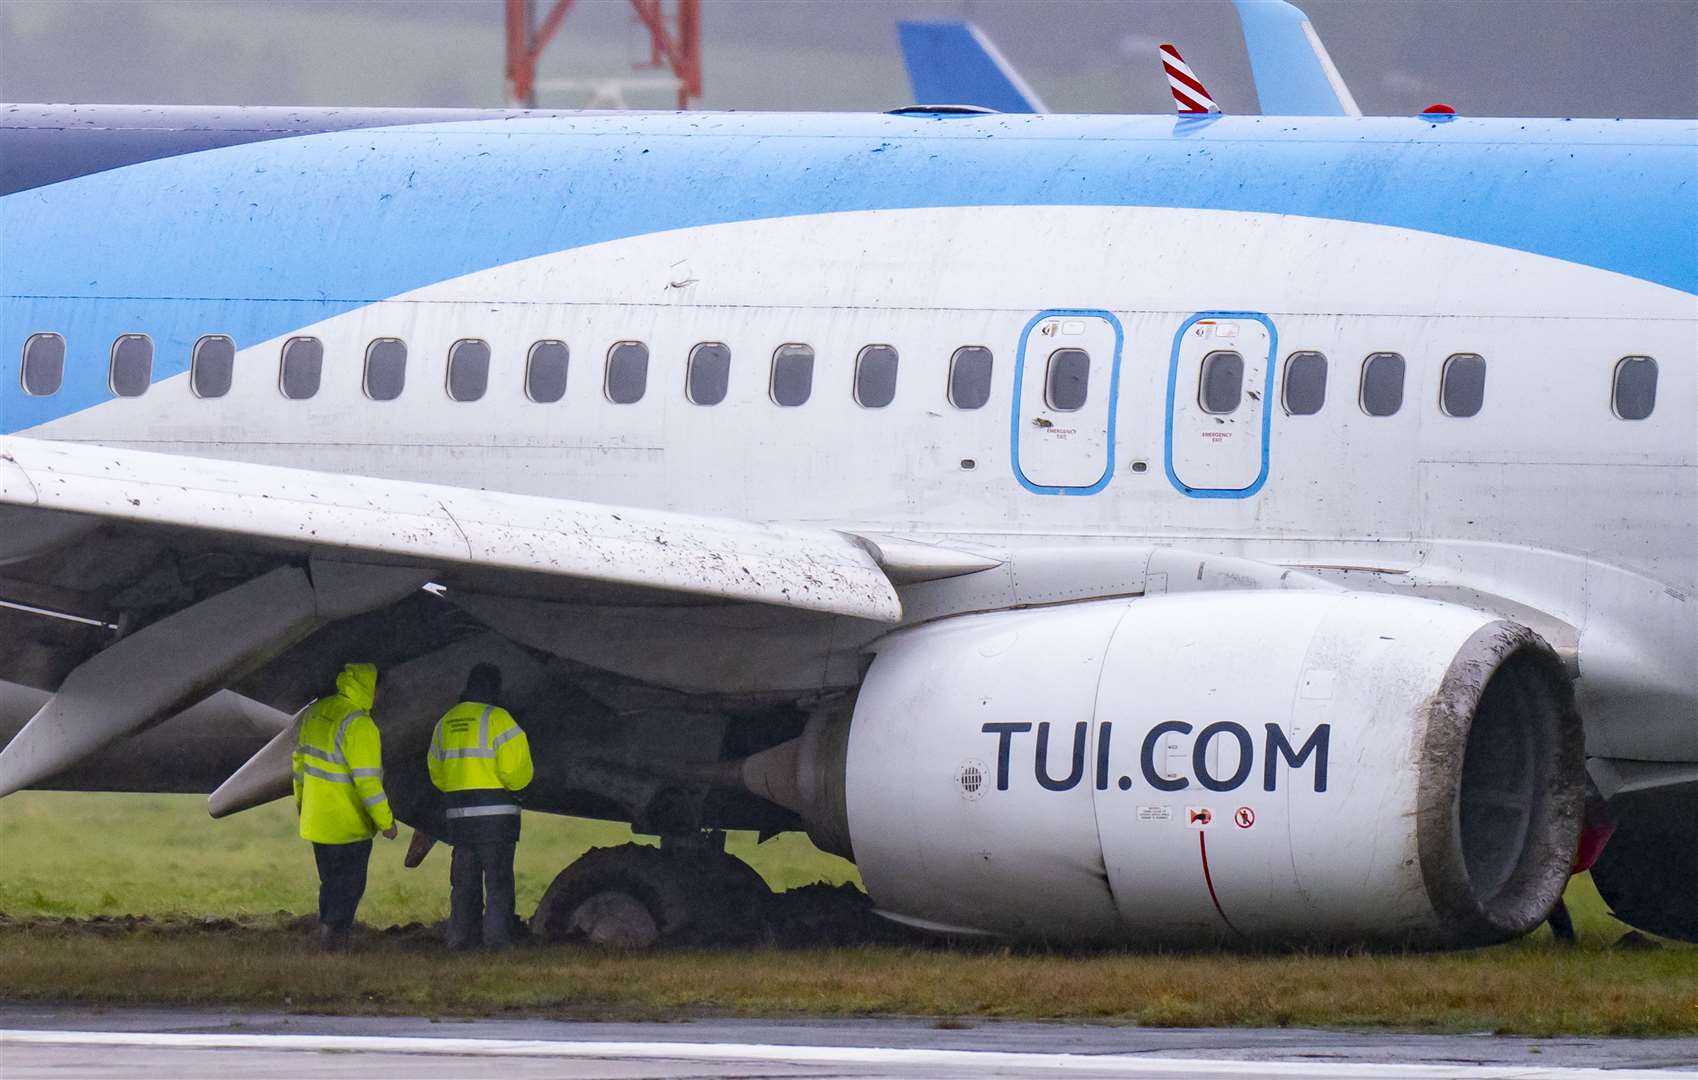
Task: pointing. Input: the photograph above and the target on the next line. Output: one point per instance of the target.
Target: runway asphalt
(52, 1041)
(39, 1041)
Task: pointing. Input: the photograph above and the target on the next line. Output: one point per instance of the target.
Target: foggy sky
(1486, 57)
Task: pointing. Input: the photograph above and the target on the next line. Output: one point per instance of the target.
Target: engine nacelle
(1281, 766)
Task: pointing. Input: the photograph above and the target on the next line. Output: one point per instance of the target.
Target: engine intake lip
(1501, 787)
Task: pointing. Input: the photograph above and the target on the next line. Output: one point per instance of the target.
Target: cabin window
(303, 366)
(1382, 384)
(212, 366)
(970, 377)
(468, 369)
(1220, 383)
(132, 365)
(1067, 383)
(1305, 390)
(875, 377)
(627, 372)
(545, 371)
(1635, 393)
(44, 364)
(709, 373)
(792, 374)
(386, 368)
(1462, 385)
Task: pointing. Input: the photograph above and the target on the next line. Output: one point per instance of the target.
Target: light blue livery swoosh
(270, 236)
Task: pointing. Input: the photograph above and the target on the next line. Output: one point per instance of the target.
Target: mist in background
(1596, 58)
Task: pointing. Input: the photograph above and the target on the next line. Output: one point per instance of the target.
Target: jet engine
(1326, 767)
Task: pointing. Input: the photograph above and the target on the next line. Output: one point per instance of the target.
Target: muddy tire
(634, 897)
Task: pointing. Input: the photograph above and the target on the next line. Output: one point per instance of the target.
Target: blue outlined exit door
(1218, 383)
(1066, 381)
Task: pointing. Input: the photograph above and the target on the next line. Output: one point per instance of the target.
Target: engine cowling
(1281, 766)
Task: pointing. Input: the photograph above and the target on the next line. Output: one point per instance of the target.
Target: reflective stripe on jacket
(478, 757)
(338, 764)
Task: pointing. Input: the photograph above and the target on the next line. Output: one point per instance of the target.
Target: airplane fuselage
(702, 313)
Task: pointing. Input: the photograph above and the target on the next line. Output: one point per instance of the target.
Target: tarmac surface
(38, 1041)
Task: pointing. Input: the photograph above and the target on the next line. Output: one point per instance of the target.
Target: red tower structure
(675, 43)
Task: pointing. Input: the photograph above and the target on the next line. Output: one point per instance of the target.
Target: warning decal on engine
(1155, 813)
(1199, 817)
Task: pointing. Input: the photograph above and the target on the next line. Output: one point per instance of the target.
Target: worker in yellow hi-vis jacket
(480, 759)
(339, 797)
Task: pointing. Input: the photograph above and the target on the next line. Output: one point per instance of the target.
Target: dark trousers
(341, 881)
(481, 895)
(1562, 924)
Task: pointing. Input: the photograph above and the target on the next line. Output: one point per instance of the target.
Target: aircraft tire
(634, 896)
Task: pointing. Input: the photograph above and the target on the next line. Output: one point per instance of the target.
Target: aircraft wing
(952, 62)
(229, 564)
(365, 519)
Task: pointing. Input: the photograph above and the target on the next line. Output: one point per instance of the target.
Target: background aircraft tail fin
(1294, 75)
(952, 62)
(1190, 97)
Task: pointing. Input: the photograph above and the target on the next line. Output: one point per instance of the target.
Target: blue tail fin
(953, 63)
(1294, 74)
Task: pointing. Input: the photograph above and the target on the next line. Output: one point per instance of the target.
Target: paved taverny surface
(54, 1041)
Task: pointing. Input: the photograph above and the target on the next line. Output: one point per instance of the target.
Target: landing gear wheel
(634, 897)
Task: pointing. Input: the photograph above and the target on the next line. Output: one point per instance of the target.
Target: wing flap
(789, 566)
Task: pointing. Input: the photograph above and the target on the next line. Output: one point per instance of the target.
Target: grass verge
(216, 932)
(1531, 989)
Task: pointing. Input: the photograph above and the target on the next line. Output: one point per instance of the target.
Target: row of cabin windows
(1462, 384)
(625, 380)
(1220, 383)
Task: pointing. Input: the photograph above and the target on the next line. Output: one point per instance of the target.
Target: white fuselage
(1545, 500)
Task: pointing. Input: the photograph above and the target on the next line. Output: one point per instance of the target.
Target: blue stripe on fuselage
(287, 232)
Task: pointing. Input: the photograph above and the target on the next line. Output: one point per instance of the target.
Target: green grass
(66, 853)
(160, 857)
(1528, 989)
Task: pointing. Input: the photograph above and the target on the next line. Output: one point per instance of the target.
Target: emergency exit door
(1219, 381)
(1066, 381)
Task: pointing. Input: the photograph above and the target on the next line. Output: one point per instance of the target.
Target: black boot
(331, 939)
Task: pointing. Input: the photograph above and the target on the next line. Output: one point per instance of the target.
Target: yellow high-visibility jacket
(339, 764)
(478, 756)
